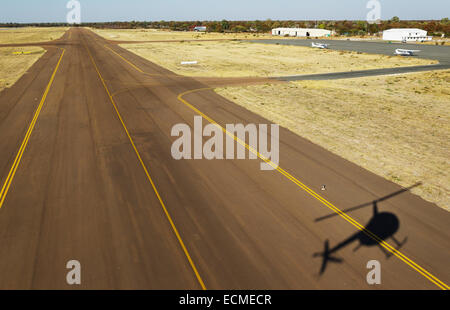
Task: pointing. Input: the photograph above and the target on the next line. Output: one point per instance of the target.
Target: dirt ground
(241, 59)
(395, 126)
(30, 34)
(157, 35)
(15, 61)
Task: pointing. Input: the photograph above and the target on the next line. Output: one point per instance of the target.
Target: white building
(406, 34)
(301, 32)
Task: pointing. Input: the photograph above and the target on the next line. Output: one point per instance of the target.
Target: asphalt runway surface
(440, 53)
(87, 174)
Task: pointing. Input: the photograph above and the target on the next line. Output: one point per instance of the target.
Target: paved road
(93, 180)
(440, 53)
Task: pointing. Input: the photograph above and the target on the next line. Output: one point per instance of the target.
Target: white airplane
(403, 52)
(319, 45)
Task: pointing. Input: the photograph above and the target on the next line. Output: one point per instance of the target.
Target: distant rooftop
(405, 29)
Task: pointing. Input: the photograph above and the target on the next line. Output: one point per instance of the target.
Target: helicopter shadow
(382, 226)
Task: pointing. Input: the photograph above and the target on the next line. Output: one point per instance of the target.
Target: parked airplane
(403, 52)
(319, 45)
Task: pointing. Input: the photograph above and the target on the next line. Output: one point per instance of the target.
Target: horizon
(99, 11)
(219, 20)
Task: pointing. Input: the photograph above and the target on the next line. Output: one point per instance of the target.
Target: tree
(276, 24)
(225, 24)
(395, 19)
(240, 28)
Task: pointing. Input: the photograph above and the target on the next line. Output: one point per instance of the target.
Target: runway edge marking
(328, 204)
(15, 165)
(172, 224)
(311, 192)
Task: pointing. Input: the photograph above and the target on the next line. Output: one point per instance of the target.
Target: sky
(25, 11)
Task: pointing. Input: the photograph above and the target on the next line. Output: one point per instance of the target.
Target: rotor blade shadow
(371, 203)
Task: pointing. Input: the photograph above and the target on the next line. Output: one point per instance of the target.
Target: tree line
(344, 27)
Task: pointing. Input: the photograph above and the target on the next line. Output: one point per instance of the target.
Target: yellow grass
(239, 59)
(13, 66)
(30, 34)
(158, 35)
(395, 126)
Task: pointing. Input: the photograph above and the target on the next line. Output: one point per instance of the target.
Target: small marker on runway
(324, 188)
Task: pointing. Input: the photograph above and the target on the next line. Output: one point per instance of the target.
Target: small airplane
(403, 52)
(319, 45)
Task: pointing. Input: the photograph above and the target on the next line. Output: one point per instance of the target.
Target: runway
(87, 174)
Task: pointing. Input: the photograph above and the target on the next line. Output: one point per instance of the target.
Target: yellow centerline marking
(172, 224)
(15, 165)
(137, 68)
(311, 192)
(348, 218)
(128, 62)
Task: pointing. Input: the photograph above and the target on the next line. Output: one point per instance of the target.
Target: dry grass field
(15, 61)
(240, 59)
(395, 126)
(30, 34)
(161, 35)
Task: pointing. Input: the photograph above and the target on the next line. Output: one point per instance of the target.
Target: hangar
(301, 32)
(406, 35)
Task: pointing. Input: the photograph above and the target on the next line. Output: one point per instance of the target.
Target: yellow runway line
(311, 192)
(137, 68)
(24, 144)
(166, 212)
(290, 177)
